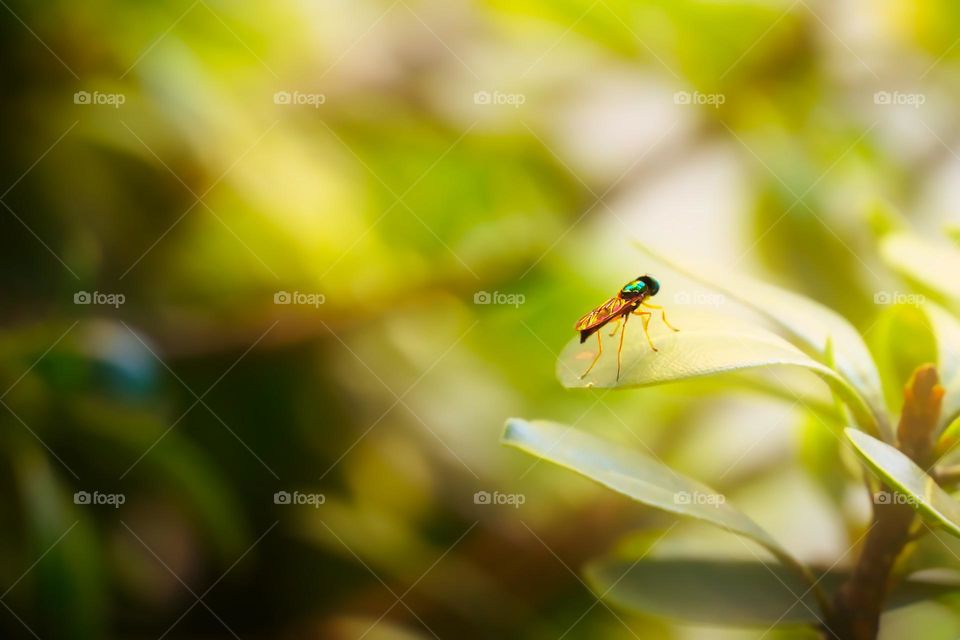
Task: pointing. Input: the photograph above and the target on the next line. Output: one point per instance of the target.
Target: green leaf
(946, 331)
(728, 593)
(633, 474)
(706, 344)
(900, 473)
(896, 356)
(820, 454)
(934, 266)
(811, 325)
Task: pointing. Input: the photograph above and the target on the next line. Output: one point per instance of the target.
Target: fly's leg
(620, 348)
(663, 314)
(599, 352)
(646, 315)
(616, 328)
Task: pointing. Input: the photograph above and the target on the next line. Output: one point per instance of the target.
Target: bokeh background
(329, 246)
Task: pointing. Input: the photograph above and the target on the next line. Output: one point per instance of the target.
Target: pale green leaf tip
(855, 435)
(510, 430)
(859, 440)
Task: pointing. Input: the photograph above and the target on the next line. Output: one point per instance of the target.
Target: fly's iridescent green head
(642, 286)
(653, 285)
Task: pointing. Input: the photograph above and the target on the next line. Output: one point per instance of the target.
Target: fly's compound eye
(652, 284)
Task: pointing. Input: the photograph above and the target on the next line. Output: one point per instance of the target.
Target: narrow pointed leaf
(812, 325)
(897, 357)
(705, 345)
(903, 475)
(633, 474)
(729, 593)
(946, 329)
(934, 266)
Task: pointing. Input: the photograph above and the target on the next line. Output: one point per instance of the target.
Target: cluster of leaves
(804, 334)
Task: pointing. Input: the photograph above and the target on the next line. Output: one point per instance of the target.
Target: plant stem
(859, 602)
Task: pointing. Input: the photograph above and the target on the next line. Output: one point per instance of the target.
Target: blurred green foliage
(399, 198)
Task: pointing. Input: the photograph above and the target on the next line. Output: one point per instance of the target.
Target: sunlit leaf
(903, 475)
(819, 452)
(901, 338)
(936, 549)
(793, 243)
(633, 474)
(946, 330)
(729, 593)
(810, 324)
(779, 383)
(935, 266)
(705, 345)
